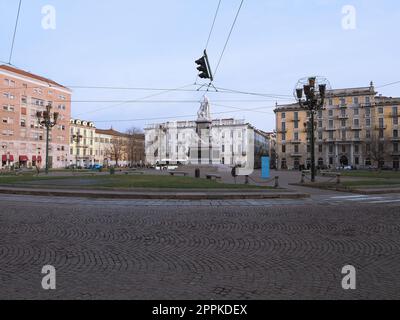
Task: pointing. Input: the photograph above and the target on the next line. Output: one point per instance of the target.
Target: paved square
(146, 250)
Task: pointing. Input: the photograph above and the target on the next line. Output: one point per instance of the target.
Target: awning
(4, 158)
(33, 158)
(23, 158)
(39, 159)
(11, 158)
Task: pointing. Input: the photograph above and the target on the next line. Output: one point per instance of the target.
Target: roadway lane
(200, 249)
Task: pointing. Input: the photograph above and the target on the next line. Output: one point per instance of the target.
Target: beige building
(22, 138)
(92, 146)
(82, 143)
(356, 128)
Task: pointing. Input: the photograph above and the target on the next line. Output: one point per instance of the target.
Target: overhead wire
(229, 36)
(15, 33)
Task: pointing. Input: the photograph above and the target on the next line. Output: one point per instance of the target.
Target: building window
(283, 115)
(330, 124)
(296, 149)
(331, 148)
(320, 148)
(330, 102)
(343, 149)
(368, 134)
(330, 113)
(368, 122)
(355, 100)
(395, 147)
(367, 100)
(356, 148)
(367, 112)
(395, 133)
(381, 123)
(343, 123)
(357, 135)
(381, 134)
(357, 161)
(283, 136)
(380, 110)
(283, 148)
(296, 136)
(356, 111)
(356, 122)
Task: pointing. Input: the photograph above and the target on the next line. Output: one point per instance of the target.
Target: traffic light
(204, 67)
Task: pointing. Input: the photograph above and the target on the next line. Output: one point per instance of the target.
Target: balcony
(343, 116)
(295, 141)
(356, 128)
(394, 115)
(296, 155)
(331, 129)
(384, 127)
(395, 139)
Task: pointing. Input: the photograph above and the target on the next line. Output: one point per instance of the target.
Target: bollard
(197, 173)
(338, 178)
(276, 182)
(246, 180)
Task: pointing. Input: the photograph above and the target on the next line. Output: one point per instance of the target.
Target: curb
(158, 196)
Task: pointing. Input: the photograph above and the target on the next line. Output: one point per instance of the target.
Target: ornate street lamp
(313, 90)
(47, 120)
(77, 138)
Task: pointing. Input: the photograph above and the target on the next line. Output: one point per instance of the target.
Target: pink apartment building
(22, 139)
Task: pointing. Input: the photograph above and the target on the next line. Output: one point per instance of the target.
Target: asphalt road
(270, 249)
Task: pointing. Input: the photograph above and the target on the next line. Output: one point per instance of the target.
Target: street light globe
(320, 85)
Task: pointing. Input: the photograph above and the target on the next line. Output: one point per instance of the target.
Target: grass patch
(123, 182)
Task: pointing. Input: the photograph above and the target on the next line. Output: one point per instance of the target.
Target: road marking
(348, 197)
(366, 199)
(385, 201)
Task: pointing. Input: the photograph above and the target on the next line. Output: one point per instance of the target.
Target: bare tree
(116, 149)
(135, 145)
(377, 150)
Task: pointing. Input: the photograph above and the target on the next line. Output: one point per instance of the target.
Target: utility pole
(48, 120)
(314, 90)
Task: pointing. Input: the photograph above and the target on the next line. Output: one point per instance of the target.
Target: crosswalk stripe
(386, 201)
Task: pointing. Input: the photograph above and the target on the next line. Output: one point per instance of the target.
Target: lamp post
(77, 139)
(314, 89)
(4, 147)
(48, 120)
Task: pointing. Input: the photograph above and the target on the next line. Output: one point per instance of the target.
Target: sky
(154, 43)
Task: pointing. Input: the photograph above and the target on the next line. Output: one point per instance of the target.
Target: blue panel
(265, 174)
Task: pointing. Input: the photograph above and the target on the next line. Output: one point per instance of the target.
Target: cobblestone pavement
(277, 249)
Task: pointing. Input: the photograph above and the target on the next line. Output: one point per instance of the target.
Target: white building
(204, 141)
